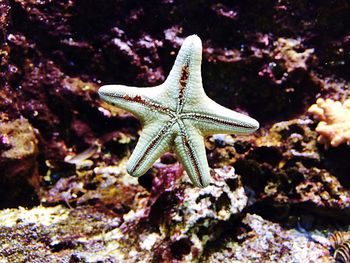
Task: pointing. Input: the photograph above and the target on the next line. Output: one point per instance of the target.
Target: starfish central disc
(176, 115)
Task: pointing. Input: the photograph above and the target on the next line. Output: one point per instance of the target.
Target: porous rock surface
(87, 234)
(19, 177)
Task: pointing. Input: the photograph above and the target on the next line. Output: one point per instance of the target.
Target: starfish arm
(153, 142)
(185, 81)
(177, 115)
(142, 102)
(189, 147)
(212, 118)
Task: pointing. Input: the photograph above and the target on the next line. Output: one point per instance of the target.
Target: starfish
(176, 115)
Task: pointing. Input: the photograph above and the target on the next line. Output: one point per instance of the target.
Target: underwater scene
(174, 131)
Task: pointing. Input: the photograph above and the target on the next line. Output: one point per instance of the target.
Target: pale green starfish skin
(176, 115)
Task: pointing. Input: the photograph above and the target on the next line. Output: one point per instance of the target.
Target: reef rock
(269, 59)
(88, 234)
(19, 178)
(268, 242)
(202, 215)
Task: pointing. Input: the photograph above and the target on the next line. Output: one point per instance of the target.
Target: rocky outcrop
(19, 177)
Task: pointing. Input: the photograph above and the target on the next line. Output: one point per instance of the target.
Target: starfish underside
(176, 115)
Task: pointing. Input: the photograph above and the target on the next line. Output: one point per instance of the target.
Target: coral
(334, 121)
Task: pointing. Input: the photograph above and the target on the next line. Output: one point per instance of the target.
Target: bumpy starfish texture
(176, 115)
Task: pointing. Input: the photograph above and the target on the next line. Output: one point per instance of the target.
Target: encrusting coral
(334, 125)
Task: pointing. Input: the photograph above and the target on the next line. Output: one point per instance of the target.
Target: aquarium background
(280, 194)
